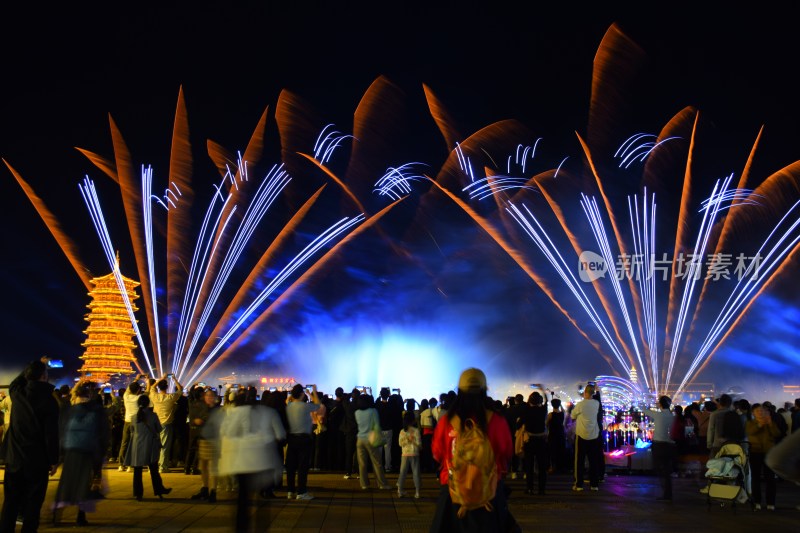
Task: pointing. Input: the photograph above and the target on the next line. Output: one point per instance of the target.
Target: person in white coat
(247, 450)
(587, 439)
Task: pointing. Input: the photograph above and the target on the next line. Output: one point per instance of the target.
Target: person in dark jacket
(86, 435)
(145, 449)
(534, 421)
(198, 414)
(350, 429)
(31, 447)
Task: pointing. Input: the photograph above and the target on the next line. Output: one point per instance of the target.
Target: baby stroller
(729, 476)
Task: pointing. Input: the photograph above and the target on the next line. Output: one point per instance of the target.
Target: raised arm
(314, 396)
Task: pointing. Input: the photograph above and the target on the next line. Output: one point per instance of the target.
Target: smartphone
(273, 389)
(55, 363)
(107, 390)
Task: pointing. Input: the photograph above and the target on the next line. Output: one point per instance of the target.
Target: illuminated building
(109, 345)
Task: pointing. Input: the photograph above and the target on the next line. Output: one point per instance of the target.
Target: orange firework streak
(680, 245)
(66, 244)
(771, 191)
(297, 284)
(252, 153)
(778, 271)
(726, 230)
(601, 294)
(258, 271)
(132, 203)
(109, 348)
(179, 221)
(442, 118)
(623, 249)
(106, 165)
(517, 257)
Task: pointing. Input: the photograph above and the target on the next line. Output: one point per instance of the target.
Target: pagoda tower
(109, 345)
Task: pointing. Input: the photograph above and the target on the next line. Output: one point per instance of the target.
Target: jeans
(126, 440)
(412, 462)
(349, 452)
(366, 452)
(663, 458)
(298, 457)
(166, 446)
(155, 478)
(426, 457)
(536, 452)
(583, 449)
(759, 469)
(387, 449)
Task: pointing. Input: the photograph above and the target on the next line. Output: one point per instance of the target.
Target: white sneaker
(128, 469)
(577, 488)
(513, 475)
(770, 507)
(121, 468)
(305, 496)
(704, 490)
(290, 495)
(757, 507)
(594, 489)
(416, 496)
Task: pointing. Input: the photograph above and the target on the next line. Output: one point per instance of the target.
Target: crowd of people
(260, 443)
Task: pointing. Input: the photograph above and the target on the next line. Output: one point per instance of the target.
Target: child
(410, 442)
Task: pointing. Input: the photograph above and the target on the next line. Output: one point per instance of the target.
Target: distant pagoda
(109, 345)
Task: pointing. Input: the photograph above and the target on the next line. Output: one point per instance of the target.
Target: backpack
(472, 469)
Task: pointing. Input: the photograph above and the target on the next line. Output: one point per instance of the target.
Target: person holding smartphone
(165, 405)
(299, 442)
(130, 400)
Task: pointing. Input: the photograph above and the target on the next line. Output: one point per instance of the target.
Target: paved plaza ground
(625, 503)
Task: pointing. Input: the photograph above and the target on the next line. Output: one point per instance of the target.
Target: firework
(636, 319)
(211, 307)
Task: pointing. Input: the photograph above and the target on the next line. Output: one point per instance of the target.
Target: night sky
(67, 67)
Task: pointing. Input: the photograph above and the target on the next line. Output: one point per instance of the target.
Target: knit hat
(472, 380)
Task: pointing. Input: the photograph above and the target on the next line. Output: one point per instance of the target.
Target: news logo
(591, 266)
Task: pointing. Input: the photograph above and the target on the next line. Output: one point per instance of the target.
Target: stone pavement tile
(625, 503)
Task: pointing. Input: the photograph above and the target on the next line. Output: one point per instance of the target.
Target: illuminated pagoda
(109, 345)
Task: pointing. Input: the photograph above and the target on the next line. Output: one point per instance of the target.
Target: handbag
(520, 439)
(375, 436)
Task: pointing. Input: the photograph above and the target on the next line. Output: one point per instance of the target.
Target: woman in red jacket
(472, 403)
